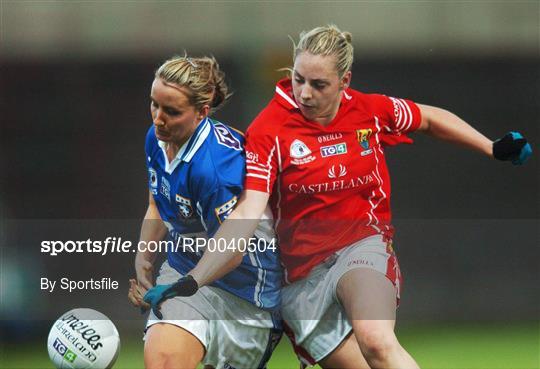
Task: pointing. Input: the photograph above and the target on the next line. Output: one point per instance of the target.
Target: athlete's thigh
(367, 294)
(346, 356)
(169, 346)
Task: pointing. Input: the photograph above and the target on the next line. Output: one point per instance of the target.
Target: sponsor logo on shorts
(165, 188)
(184, 205)
(337, 149)
(223, 211)
(360, 262)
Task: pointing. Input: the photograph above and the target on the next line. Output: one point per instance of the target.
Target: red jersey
(329, 185)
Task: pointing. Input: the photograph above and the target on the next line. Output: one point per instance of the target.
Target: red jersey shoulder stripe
(284, 96)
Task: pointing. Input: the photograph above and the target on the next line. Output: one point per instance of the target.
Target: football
(83, 339)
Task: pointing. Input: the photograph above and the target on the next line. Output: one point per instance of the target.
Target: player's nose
(158, 118)
(305, 93)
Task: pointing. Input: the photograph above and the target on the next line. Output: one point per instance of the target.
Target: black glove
(185, 286)
(513, 146)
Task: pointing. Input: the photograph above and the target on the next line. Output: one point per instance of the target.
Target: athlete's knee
(171, 347)
(378, 345)
(376, 342)
(160, 359)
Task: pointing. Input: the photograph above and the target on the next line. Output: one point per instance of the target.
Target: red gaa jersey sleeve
(399, 115)
(262, 154)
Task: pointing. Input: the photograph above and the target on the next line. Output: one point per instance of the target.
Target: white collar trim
(199, 139)
(286, 97)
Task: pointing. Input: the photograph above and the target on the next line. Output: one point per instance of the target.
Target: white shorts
(311, 308)
(231, 339)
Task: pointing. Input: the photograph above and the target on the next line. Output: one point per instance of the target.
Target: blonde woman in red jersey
(316, 154)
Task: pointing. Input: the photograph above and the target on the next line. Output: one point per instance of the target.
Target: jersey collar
(189, 148)
(196, 140)
(284, 95)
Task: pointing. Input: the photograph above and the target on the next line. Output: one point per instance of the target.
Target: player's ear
(205, 110)
(346, 80)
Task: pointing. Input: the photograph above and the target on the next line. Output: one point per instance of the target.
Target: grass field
(434, 347)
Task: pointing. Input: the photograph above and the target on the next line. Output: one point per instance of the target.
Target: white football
(83, 339)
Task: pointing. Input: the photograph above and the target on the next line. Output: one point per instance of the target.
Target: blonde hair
(328, 40)
(200, 76)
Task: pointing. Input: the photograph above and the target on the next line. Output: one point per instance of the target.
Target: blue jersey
(195, 192)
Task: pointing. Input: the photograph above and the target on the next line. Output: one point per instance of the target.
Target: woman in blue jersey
(196, 169)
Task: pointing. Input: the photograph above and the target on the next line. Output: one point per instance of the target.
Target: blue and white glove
(185, 286)
(513, 146)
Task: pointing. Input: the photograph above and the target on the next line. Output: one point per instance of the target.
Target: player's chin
(308, 112)
(162, 136)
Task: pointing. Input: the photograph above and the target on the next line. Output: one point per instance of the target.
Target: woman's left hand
(513, 147)
(136, 294)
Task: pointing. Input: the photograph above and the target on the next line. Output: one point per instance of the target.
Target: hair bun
(348, 36)
(202, 76)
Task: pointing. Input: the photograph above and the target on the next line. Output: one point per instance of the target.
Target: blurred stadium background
(74, 86)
